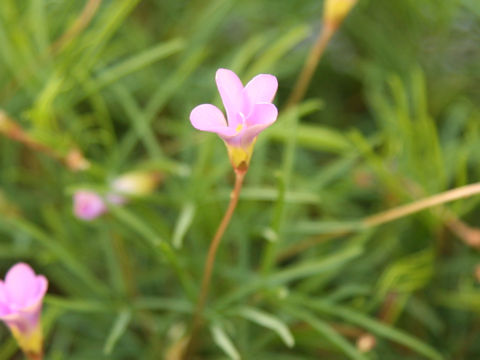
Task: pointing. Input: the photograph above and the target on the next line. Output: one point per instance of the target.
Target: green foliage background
(391, 116)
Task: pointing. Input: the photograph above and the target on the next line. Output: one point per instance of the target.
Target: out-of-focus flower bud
(136, 183)
(366, 343)
(88, 205)
(476, 272)
(76, 161)
(335, 11)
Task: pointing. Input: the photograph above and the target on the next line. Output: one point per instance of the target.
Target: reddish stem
(210, 262)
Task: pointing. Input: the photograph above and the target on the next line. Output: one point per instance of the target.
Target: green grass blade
(327, 332)
(184, 221)
(322, 265)
(221, 338)
(375, 326)
(118, 329)
(138, 62)
(270, 322)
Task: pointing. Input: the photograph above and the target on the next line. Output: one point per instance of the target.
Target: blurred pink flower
(249, 111)
(88, 205)
(21, 297)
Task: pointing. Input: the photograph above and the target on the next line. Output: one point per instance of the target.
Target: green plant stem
(212, 251)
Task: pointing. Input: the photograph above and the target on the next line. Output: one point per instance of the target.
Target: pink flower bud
(88, 205)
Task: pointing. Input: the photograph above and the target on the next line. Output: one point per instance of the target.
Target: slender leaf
(223, 341)
(118, 329)
(269, 321)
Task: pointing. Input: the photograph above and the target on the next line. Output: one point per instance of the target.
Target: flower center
(240, 126)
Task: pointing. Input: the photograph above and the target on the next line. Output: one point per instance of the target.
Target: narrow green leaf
(118, 329)
(269, 321)
(149, 234)
(313, 137)
(278, 49)
(326, 331)
(108, 23)
(78, 305)
(68, 259)
(183, 224)
(326, 227)
(313, 267)
(223, 341)
(128, 218)
(166, 304)
(138, 121)
(38, 21)
(376, 327)
(322, 265)
(139, 61)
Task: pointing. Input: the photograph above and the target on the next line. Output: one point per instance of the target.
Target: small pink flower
(249, 111)
(21, 297)
(88, 205)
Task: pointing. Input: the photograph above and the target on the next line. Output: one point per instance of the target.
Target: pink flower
(21, 296)
(249, 111)
(88, 205)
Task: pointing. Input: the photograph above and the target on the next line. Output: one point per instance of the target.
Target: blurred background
(91, 90)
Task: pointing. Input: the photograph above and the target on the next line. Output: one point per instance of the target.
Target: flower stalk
(249, 111)
(334, 13)
(210, 261)
(310, 65)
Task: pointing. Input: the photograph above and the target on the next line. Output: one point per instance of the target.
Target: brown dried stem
(470, 235)
(73, 160)
(81, 22)
(309, 67)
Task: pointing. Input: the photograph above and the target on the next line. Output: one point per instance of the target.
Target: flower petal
(261, 89)
(21, 284)
(41, 290)
(4, 309)
(263, 115)
(233, 97)
(207, 117)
